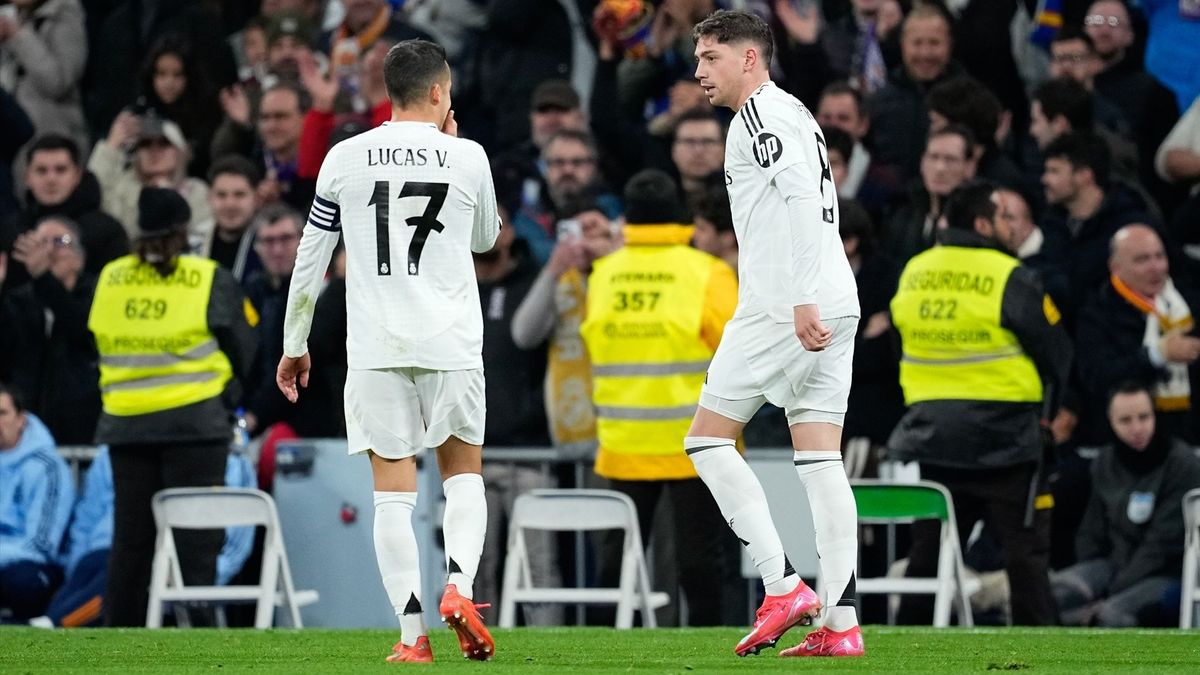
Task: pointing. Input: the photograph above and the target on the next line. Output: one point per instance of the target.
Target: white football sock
(835, 519)
(743, 503)
(463, 527)
(399, 564)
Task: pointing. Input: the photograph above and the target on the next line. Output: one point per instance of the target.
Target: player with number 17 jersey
(411, 204)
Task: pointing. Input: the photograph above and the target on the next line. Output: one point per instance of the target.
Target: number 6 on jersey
(425, 223)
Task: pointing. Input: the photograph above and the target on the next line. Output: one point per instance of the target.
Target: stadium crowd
(1086, 113)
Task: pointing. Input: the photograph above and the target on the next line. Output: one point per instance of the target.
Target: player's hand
(450, 126)
(290, 371)
(813, 334)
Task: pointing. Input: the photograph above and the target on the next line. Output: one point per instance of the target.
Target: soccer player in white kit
(790, 341)
(412, 201)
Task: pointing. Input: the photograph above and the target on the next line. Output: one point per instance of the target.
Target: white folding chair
(575, 511)
(219, 508)
(885, 502)
(1191, 559)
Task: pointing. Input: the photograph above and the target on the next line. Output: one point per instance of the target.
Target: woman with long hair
(176, 87)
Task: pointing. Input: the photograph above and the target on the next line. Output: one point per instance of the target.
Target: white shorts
(761, 361)
(397, 412)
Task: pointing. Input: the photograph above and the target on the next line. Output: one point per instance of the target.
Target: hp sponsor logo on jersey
(767, 149)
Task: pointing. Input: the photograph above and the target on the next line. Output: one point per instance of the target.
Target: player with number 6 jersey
(412, 202)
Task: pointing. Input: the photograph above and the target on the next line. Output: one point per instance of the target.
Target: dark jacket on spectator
(1135, 516)
(900, 119)
(876, 400)
(15, 131)
(103, 238)
(1082, 247)
(53, 359)
(1109, 336)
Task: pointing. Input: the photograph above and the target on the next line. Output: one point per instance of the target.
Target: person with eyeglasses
(1073, 56)
(47, 349)
(569, 160)
(1148, 106)
(698, 151)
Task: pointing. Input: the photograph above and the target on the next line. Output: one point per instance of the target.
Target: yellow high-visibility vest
(643, 334)
(156, 349)
(947, 309)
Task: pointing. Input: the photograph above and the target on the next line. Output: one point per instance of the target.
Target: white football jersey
(411, 204)
(778, 267)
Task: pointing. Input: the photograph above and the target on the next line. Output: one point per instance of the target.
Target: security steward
(984, 358)
(656, 309)
(172, 331)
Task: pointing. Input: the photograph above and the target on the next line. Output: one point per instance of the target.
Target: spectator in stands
(1063, 105)
(876, 401)
(571, 173)
(36, 494)
(857, 47)
(159, 159)
(714, 225)
(947, 163)
(698, 151)
(234, 203)
(272, 140)
(866, 180)
(120, 35)
(43, 50)
(164, 430)
(648, 355)
(553, 310)
(1139, 327)
(276, 241)
(1028, 243)
(1130, 544)
(899, 116)
(80, 600)
(59, 369)
(58, 185)
(1073, 56)
(1148, 106)
(1086, 210)
(516, 417)
(18, 130)
(520, 172)
(963, 100)
(176, 87)
(1171, 47)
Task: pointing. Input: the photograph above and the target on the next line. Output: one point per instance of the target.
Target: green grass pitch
(568, 650)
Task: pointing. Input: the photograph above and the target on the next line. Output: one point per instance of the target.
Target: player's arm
(320, 237)
(487, 220)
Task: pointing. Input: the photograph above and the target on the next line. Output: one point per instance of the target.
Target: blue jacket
(36, 494)
(92, 523)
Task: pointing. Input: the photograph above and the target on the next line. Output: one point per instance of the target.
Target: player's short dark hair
(844, 88)
(698, 115)
(410, 68)
(963, 132)
(964, 100)
(728, 26)
(1064, 96)
(652, 197)
(969, 201)
(1082, 149)
(836, 139)
(1068, 33)
(51, 143)
(236, 165)
(1127, 387)
(712, 204)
